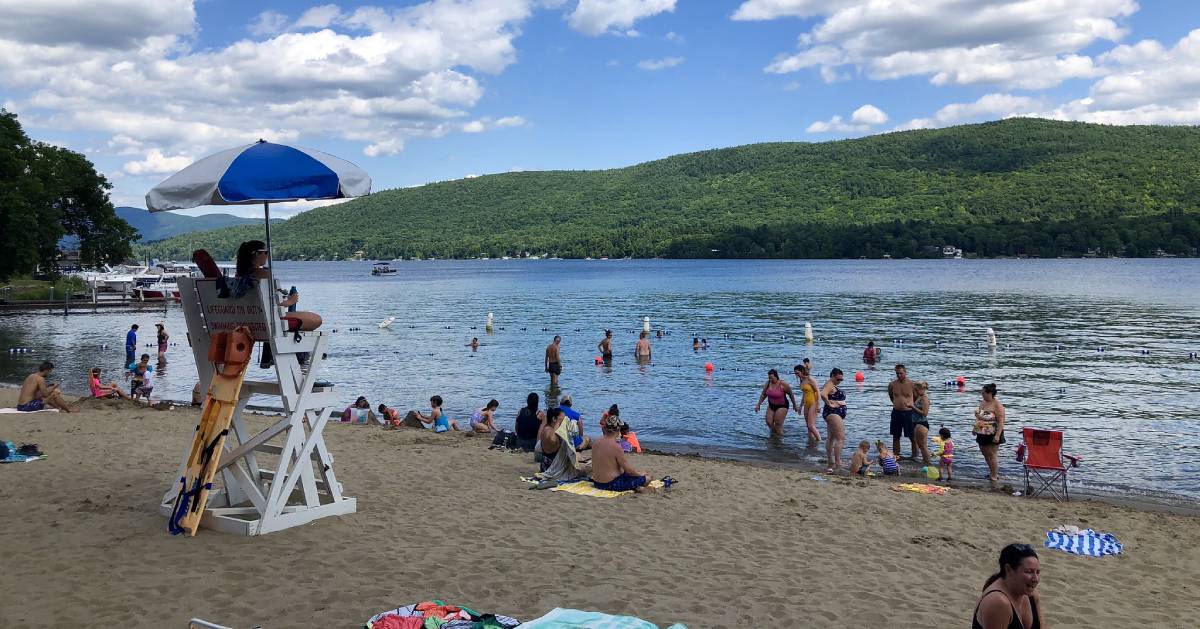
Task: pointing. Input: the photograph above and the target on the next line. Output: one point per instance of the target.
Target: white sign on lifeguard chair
(281, 476)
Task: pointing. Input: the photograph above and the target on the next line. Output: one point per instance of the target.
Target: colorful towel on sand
(13, 457)
(921, 488)
(1083, 542)
(439, 615)
(585, 487)
(560, 618)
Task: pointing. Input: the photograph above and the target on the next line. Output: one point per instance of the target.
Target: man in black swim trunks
(554, 361)
(901, 393)
(605, 347)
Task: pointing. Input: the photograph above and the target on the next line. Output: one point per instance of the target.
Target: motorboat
(382, 268)
(120, 278)
(163, 288)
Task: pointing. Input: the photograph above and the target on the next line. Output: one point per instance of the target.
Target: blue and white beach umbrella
(262, 172)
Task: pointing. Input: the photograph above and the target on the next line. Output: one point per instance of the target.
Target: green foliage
(47, 192)
(1021, 186)
(41, 290)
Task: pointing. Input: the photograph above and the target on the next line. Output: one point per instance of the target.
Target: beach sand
(440, 516)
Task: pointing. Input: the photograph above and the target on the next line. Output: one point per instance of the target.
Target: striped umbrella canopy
(262, 172)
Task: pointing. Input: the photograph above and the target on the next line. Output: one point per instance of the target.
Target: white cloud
(659, 64)
(861, 120)
(792, 86)
(374, 76)
(510, 121)
(318, 17)
(475, 126)
(268, 23)
(596, 17)
(868, 115)
(988, 107)
(1016, 43)
(157, 164)
(675, 38)
(93, 24)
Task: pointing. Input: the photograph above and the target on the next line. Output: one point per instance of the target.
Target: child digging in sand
(946, 461)
(887, 460)
(860, 463)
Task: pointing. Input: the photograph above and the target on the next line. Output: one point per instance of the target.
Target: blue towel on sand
(13, 457)
(1086, 542)
(560, 618)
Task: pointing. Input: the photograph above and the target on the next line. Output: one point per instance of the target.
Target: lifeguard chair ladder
(281, 476)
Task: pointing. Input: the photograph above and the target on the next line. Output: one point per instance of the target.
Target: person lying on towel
(610, 470)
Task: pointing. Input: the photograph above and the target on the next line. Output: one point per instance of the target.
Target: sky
(416, 92)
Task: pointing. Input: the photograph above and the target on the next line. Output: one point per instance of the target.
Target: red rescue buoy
(859, 377)
(961, 381)
(708, 367)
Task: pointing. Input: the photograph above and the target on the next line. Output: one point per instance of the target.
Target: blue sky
(425, 91)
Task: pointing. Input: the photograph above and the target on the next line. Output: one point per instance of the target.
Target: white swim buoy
(991, 338)
(488, 327)
(808, 333)
(386, 322)
(646, 325)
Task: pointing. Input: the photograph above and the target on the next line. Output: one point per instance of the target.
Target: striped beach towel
(1085, 542)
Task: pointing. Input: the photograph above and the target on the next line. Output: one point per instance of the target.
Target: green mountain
(1020, 186)
(162, 225)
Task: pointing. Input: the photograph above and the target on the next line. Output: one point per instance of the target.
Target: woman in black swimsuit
(1010, 598)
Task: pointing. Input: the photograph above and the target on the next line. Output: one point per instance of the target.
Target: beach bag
(506, 439)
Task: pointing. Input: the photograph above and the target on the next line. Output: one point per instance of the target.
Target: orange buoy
(961, 381)
(599, 360)
(859, 377)
(708, 367)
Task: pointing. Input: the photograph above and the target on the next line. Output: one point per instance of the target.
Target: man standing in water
(643, 347)
(131, 345)
(554, 361)
(36, 394)
(605, 347)
(901, 393)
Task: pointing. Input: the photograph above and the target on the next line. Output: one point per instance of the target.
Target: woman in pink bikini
(776, 392)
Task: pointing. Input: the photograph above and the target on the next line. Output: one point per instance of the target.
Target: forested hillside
(1021, 186)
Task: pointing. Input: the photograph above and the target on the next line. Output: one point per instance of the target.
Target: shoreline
(1151, 502)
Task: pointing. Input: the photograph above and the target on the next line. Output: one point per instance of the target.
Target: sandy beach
(440, 516)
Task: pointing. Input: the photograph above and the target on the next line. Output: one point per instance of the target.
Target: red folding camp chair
(1045, 462)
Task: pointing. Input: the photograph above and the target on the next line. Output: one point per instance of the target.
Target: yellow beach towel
(921, 488)
(586, 488)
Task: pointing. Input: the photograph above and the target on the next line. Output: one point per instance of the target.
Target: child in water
(860, 463)
(946, 462)
(887, 460)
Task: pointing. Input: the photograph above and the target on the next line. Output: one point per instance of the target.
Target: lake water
(1132, 411)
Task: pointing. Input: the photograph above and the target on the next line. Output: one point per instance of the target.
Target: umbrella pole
(270, 252)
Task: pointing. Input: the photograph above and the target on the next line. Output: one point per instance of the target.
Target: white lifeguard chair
(281, 476)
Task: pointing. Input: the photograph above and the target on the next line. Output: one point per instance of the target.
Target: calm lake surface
(1132, 411)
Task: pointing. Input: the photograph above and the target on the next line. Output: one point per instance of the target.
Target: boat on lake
(382, 268)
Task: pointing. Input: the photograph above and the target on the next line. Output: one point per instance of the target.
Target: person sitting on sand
(483, 420)
(529, 420)
(574, 425)
(629, 440)
(613, 411)
(359, 412)
(142, 383)
(610, 469)
(1010, 597)
(887, 460)
(36, 393)
(390, 416)
(860, 463)
(437, 418)
(560, 461)
(102, 391)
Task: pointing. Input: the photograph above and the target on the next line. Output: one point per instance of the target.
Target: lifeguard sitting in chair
(1044, 460)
